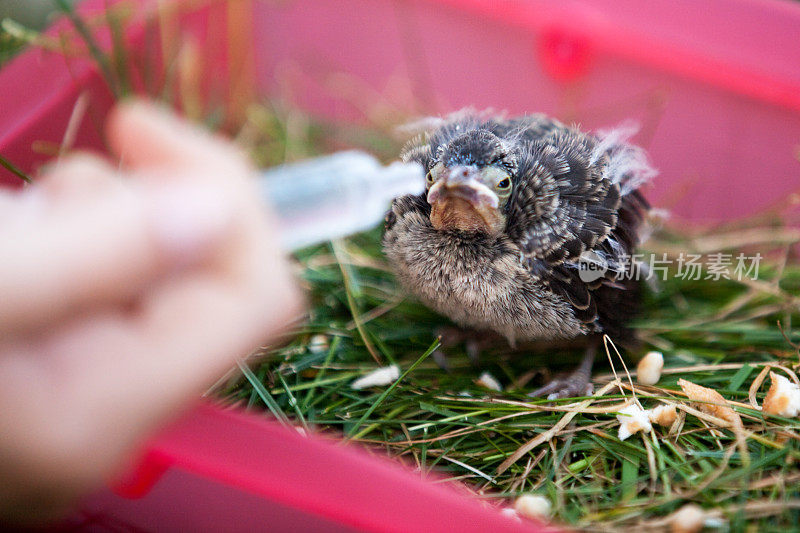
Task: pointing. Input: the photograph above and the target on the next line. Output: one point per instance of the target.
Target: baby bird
(526, 229)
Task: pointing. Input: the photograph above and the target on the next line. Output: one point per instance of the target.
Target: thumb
(146, 136)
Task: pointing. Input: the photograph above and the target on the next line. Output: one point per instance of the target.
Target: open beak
(462, 182)
(460, 201)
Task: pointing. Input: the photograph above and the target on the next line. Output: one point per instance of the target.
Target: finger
(247, 299)
(7, 202)
(17, 207)
(97, 387)
(218, 323)
(105, 250)
(73, 178)
(146, 136)
(61, 434)
(197, 324)
(77, 177)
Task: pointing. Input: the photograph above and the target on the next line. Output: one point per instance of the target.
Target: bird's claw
(568, 387)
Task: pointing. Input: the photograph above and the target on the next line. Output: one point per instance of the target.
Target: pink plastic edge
(341, 483)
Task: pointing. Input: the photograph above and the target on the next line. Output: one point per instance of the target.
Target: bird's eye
(498, 178)
(434, 174)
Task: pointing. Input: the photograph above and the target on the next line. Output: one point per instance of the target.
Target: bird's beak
(460, 201)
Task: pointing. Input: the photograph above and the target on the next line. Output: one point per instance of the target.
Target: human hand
(123, 294)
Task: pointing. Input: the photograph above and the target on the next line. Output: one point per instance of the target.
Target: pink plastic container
(715, 86)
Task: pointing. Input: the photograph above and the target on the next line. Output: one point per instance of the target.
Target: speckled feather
(572, 192)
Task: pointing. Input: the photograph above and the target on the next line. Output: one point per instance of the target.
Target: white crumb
(533, 506)
(489, 381)
(633, 419)
(783, 397)
(663, 415)
(318, 343)
(688, 519)
(648, 372)
(377, 378)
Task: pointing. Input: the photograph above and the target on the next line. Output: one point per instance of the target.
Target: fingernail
(189, 220)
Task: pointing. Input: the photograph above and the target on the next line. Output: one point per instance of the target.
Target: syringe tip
(401, 178)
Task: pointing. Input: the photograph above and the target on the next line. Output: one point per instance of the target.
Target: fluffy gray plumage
(572, 192)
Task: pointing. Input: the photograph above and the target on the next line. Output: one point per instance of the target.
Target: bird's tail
(628, 165)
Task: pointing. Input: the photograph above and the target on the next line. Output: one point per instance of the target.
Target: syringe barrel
(337, 195)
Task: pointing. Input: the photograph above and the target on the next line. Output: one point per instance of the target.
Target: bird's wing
(574, 196)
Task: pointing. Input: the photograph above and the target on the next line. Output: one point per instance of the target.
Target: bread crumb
(687, 519)
(489, 381)
(318, 343)
(783, 397)
(648, 372)
(632, 419)
(533, 506)
(664, 415)
(377, 378)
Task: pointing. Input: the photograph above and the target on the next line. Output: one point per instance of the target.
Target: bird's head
(469, 183)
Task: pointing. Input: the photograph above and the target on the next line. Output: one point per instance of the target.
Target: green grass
(446, 422)
(9, 47)
(718, 334)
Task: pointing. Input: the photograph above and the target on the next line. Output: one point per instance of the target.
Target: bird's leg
(474, 342)
(578, 383)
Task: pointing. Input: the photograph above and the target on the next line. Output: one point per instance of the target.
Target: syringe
(334, 196)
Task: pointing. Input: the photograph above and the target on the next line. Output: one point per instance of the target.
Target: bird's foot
(578, 383)
(567, 387)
